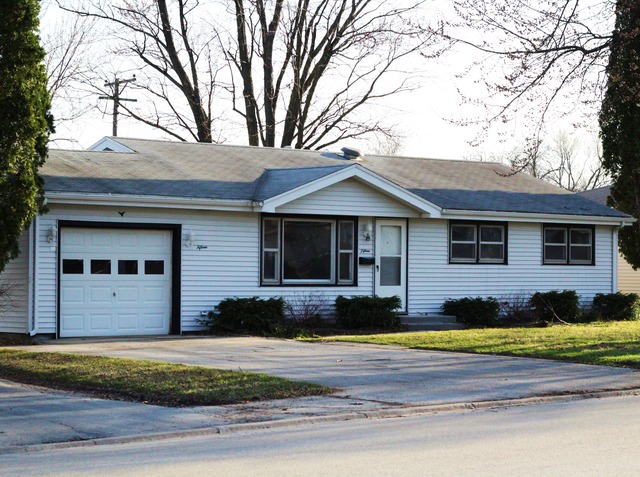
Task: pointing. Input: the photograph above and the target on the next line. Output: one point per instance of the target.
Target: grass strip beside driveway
(145, 381)
(611, 343)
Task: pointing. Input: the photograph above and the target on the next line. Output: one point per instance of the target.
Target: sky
(422, 117)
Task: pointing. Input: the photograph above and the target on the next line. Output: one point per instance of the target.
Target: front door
(391, 259)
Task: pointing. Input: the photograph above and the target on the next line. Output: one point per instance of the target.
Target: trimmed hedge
(616, 306)
(473, 311)
(556, 305)
(248, 315)
(368, 312)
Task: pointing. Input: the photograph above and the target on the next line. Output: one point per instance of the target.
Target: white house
(142, 236)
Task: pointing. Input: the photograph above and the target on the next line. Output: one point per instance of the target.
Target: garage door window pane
(72, 266)
(100, 267)
(154, 267)
(127, 267)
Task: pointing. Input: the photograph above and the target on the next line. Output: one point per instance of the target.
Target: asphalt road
(593, 437)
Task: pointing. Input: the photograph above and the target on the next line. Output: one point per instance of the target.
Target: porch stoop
(431, 322)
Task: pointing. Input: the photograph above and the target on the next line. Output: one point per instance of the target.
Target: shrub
(305, 308)
(616, 306)
(368, 312)
(473, 311)
(556, 305)
(248, 315)
(515, 309)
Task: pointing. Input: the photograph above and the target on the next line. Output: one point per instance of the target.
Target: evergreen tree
(620, 123)
(25, 122)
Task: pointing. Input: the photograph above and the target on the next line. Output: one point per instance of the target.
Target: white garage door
(115, 282)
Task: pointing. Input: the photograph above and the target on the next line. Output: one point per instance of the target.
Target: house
(628, 278)
(144, 237)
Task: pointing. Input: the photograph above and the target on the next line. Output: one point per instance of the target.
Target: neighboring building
(628, 278)
(145, 238)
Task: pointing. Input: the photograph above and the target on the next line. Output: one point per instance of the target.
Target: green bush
(248, 315)
(616, 306)
(473, 311)
(556, 305)
(368, 312)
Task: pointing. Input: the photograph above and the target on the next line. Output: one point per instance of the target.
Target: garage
(115, 282)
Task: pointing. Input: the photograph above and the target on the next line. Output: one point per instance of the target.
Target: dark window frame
(478, 260)
(336, 252)
(567, 231)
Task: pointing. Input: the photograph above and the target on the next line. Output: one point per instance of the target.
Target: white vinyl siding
(432, 279)
(349, 197)
(628, 278)
(14, 319)
(224, 261)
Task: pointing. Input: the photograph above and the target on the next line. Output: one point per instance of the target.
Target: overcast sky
(422, 117)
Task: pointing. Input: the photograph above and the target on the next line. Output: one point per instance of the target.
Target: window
(308, 251)
(154, 267)
(271, 251)
(345, 251)
(73, 266)
(127, 267)
(568, 245)
(100, 267)
(477, 242)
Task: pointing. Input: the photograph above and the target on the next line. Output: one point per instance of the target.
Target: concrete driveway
(380, 374)
(376, 381)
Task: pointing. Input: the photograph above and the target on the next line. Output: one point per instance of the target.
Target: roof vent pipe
(352, 153)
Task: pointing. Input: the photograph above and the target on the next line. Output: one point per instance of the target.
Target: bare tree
(532, 55)
(318, 63)
(559, 160)
(571, 169)
(178, 69)
(68, 41)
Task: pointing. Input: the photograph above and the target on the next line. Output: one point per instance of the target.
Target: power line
(116, 88)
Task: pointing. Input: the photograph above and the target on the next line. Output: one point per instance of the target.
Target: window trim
(478, 225)
(567, 230)
(335, 221)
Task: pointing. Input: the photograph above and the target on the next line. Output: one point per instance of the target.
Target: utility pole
(115, 87)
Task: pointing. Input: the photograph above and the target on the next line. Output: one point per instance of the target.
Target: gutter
(163, 202)
(532, 217)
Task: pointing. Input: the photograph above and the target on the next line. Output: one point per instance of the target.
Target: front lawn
(145, 381)
(611, 343)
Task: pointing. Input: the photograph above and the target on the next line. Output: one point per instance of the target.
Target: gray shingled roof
(178, 169)
(599, 195)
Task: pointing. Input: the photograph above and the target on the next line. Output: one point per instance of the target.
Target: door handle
(377, 268)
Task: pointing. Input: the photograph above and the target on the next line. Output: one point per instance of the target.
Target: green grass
(145, 381)
(612, 344)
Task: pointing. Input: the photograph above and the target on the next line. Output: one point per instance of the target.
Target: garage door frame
(176, 242)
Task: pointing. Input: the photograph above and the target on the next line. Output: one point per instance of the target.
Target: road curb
(385, 413)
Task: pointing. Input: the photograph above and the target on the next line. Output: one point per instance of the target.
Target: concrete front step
(431, 322)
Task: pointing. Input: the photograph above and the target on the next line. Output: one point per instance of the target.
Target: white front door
(114, 282)
(391, 259)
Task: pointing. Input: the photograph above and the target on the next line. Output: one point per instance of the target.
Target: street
(589, 437)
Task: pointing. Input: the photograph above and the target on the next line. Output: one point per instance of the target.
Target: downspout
(31, 307)
(614, 260)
